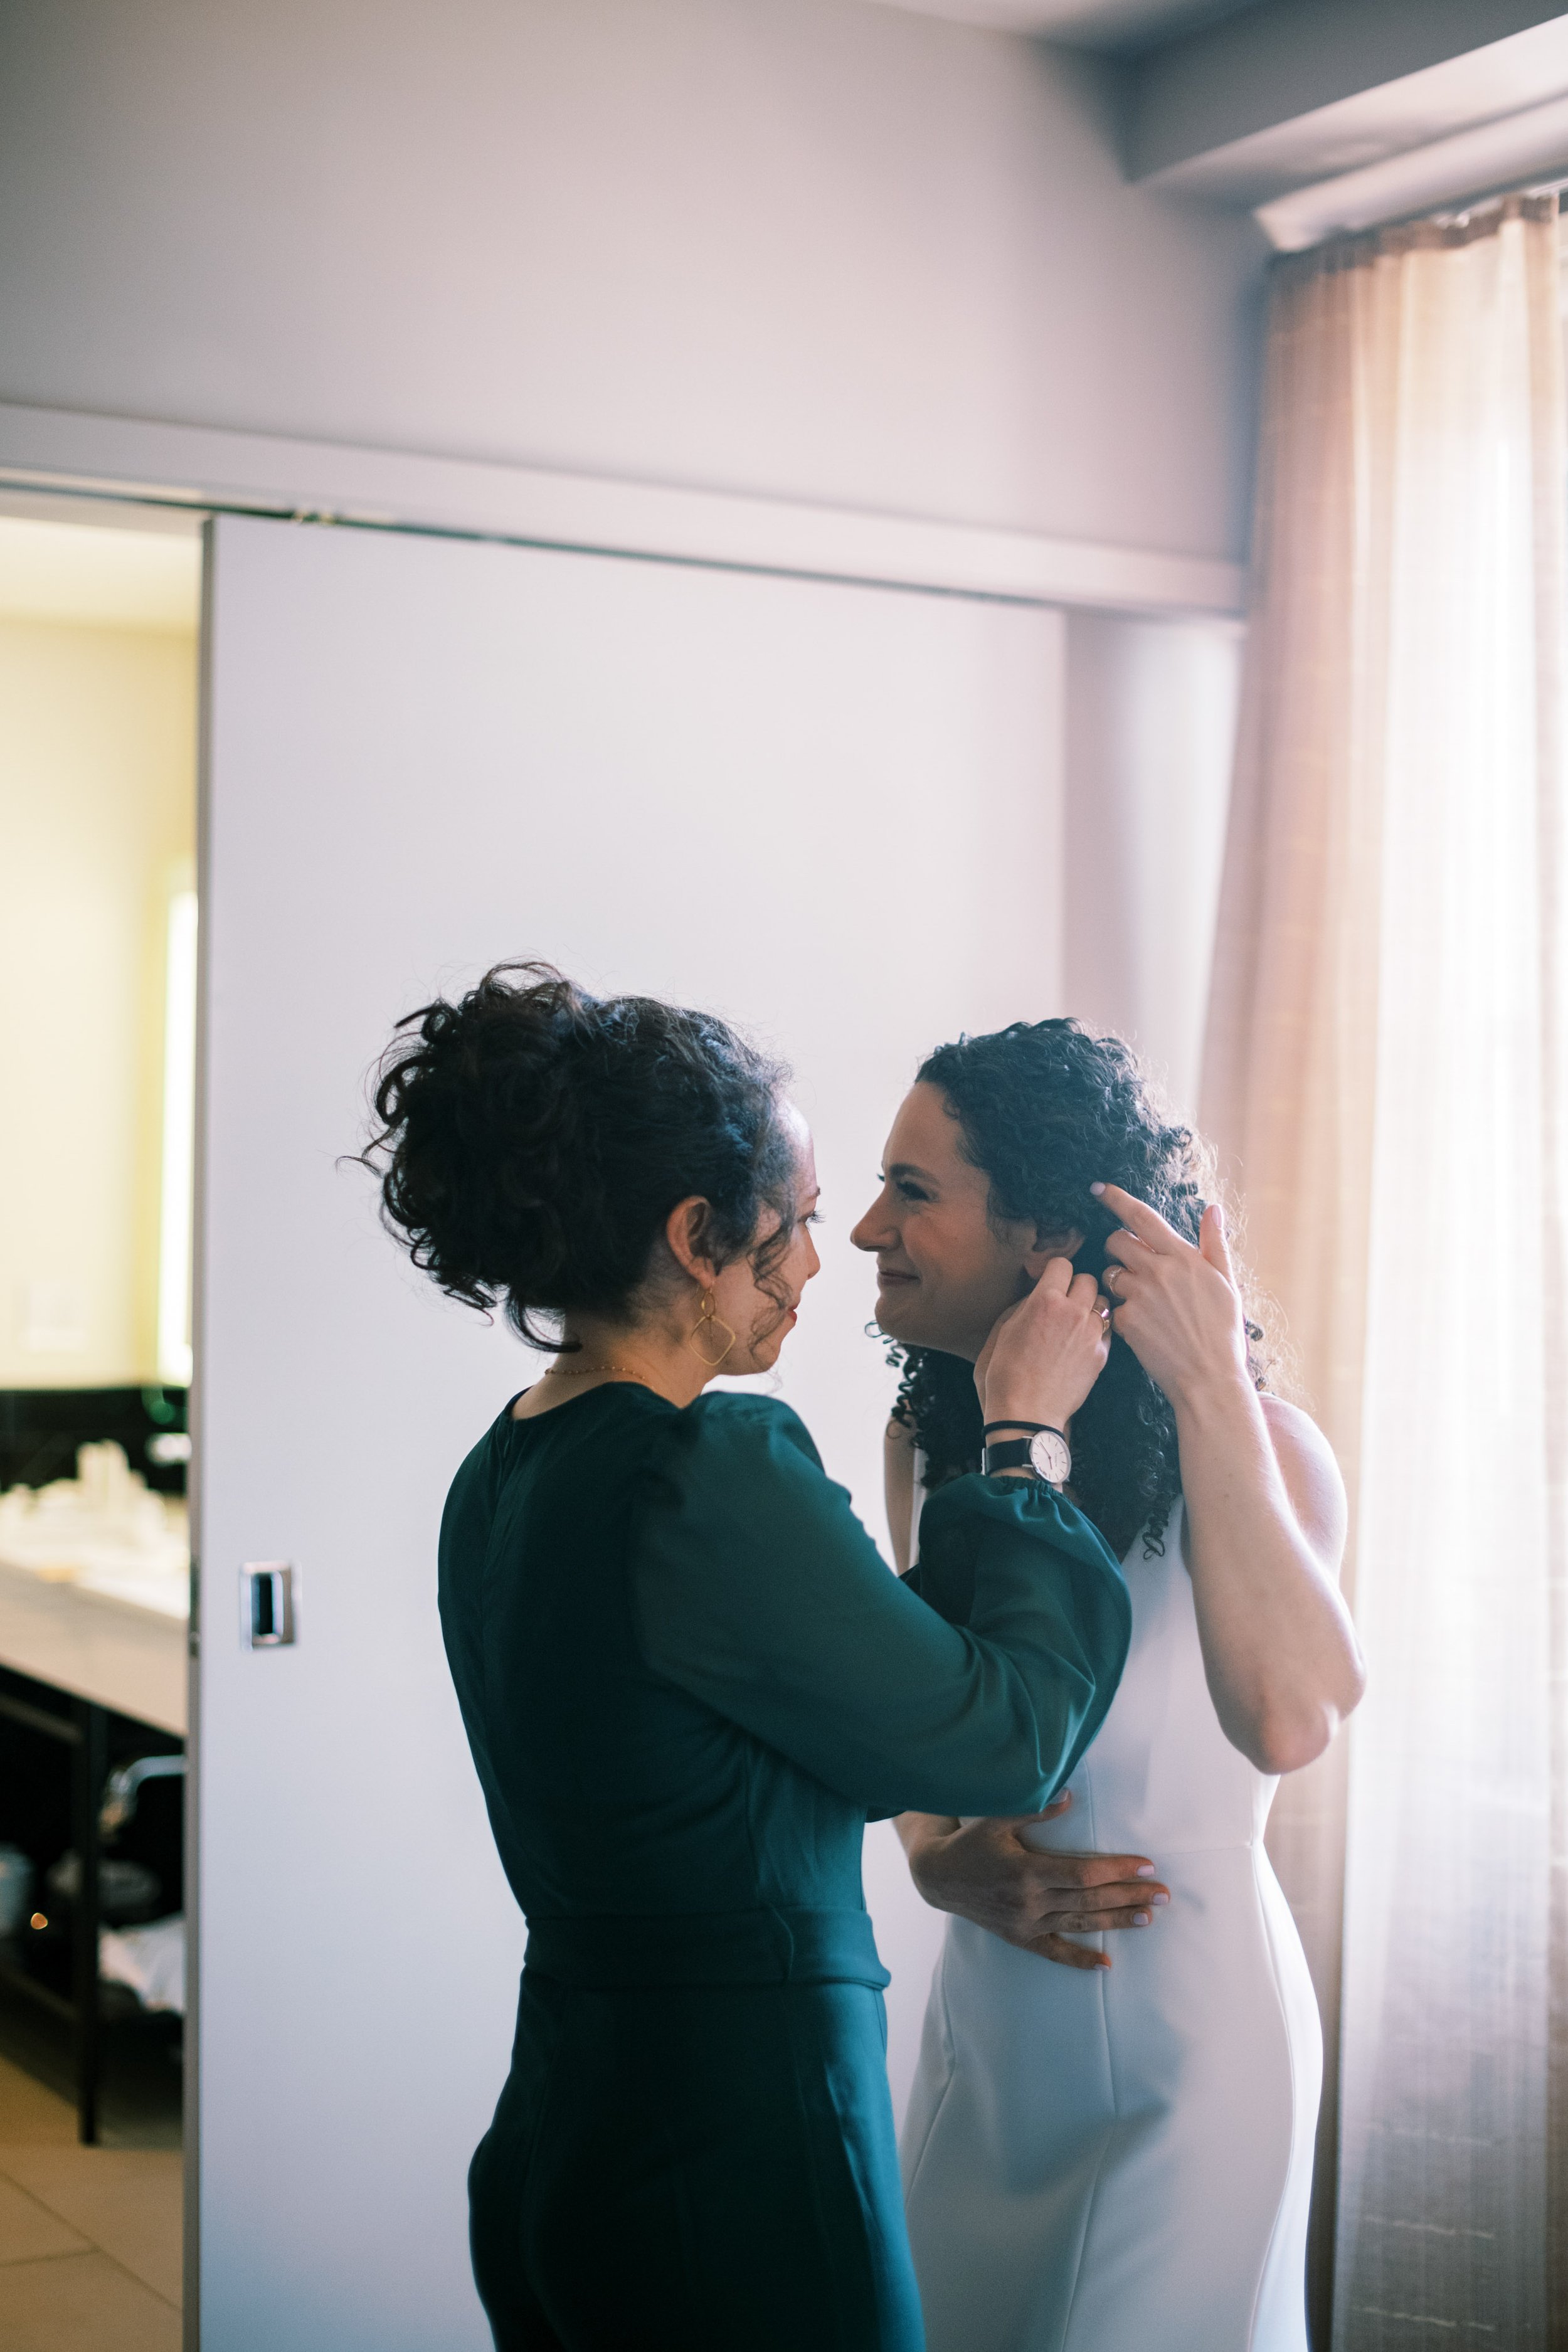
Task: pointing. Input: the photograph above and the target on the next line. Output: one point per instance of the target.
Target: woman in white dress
(1101, 2158)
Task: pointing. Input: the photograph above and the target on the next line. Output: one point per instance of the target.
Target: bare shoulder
(1296, 1434)
(1312, 1478)
(898, 1442)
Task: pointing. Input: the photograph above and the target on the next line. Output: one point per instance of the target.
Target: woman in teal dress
(688, 1677)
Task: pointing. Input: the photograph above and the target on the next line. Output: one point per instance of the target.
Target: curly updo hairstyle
(1046, 1110)
(533, 1139)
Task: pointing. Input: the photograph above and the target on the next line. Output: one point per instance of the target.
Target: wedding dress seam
(949, 2052)
(1110, 2134)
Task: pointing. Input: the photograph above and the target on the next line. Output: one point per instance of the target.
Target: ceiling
(1116, 26)
(1491, 118)
(1321, 118)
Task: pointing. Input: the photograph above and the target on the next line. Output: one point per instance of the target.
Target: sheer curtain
(1387, 1076)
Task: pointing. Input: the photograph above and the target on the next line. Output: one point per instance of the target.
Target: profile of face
(946, 1267)
(761, 1313)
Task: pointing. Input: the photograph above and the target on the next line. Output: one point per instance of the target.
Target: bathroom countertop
(133, 1659)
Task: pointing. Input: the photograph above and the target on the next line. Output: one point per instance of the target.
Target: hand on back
(1037, 1899)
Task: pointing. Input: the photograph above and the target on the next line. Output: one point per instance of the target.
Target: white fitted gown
(1103, 2160)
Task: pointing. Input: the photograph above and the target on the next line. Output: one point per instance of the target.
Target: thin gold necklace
(587, 1371)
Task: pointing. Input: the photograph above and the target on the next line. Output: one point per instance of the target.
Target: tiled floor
(90, 2237)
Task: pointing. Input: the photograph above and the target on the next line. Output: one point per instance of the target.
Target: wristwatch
(1044, 1451)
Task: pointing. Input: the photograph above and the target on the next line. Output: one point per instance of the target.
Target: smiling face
(945, 1268)
(761, 1314)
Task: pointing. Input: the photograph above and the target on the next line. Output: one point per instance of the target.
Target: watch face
(1049, 1454)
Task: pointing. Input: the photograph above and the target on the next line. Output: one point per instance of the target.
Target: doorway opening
(99, 662)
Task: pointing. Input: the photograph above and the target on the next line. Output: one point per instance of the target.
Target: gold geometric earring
(709, 1318)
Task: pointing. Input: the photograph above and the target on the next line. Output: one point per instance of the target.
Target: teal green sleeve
(758, 1590)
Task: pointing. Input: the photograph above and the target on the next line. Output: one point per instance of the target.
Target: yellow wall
(98, 731)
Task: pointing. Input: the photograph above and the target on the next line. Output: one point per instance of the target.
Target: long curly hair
(1045, 1109)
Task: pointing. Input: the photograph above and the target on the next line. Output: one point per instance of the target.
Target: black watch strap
(1046, 1452)
(1008, 1453)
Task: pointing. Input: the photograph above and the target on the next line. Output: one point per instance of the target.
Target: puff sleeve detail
(971, 1687)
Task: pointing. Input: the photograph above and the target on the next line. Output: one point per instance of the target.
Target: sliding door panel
(831, 813)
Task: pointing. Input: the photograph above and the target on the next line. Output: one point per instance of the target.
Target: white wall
(1151, 727)
(808, 248)
(98, 737)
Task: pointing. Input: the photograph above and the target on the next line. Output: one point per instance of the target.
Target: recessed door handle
(265, 1604)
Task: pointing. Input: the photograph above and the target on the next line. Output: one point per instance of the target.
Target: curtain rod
(1283, 218)
(1492, 196)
